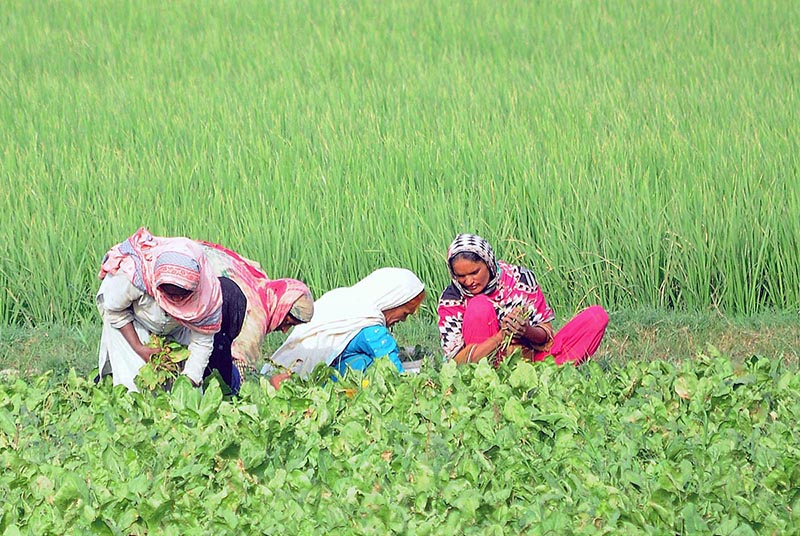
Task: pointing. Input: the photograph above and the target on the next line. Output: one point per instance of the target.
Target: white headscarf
(340, 314)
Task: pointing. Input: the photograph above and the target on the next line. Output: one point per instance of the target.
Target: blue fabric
(371, 343)
(236, 380)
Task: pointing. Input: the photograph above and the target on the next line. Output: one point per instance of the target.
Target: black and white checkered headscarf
(471, 243)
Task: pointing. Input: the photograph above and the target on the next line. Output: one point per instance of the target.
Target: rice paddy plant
(632, 154)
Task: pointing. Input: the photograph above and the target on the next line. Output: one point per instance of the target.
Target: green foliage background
(637, 154)
(641, 448)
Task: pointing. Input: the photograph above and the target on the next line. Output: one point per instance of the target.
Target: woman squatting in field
(170, 287)
(490, 303)
(350, 327)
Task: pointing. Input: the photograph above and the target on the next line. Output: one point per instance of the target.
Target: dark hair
(467, 256)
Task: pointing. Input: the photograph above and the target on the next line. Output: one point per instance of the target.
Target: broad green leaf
(682, 388)
(185, 396)
(693, 522)
(515, 412)
(485, 424)
(524, 375)
(7, 425)
(448, 373)
(743, 530)
(209, 404)
(100, 527)
(70, 488)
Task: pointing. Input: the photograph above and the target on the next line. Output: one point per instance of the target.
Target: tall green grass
(631, 153)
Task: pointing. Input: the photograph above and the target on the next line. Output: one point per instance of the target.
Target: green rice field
(634, 154)
(643, 155)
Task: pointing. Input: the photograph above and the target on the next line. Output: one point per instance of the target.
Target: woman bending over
(167, 287)
(350, 327)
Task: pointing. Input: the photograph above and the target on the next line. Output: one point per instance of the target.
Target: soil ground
(639, 335)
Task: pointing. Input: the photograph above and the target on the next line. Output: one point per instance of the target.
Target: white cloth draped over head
(340, 314)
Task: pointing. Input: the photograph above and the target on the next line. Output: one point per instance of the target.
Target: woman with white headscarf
(349, 328)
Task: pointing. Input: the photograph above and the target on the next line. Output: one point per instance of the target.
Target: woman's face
(472, 275)
(174, 293)
(401, 312)
(288, 323)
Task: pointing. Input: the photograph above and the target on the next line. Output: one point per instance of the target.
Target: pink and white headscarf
(268, 300)
(150, 261)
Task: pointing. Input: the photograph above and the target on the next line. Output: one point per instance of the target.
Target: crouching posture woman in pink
(489, 301)
(199, 294)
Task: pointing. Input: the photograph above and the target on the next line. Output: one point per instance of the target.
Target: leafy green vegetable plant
(698, 447)
(164, 366)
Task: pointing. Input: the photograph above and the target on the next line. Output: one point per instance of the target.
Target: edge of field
(639, 335)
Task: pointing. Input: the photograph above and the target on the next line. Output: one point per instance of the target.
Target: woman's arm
(472, 353)
(279, 378)
(115, 300)
(144, 351)
(374, 342)
(200, 348)
(537, 335)
(516, 323)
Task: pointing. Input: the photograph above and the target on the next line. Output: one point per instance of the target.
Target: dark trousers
(234, 308)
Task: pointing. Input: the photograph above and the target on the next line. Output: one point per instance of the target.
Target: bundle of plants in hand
(164, 366)
(501, 351)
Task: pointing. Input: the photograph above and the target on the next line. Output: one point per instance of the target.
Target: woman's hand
(146, 352)
(279, 378)
(515, 323)
(142, 350)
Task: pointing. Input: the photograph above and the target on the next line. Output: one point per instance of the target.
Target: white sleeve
(200, 347)
(115, 299)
